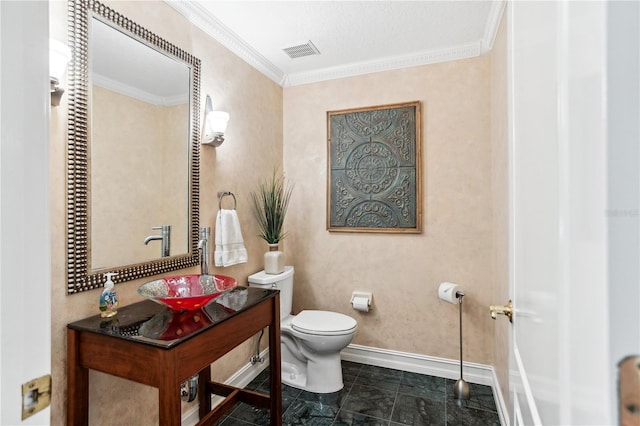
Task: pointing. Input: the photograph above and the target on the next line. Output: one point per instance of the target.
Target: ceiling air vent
(305, 49)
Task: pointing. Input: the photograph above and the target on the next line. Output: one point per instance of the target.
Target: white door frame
(623, 156)
(25, 238)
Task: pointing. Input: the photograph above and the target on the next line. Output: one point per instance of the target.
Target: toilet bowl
(311, 341)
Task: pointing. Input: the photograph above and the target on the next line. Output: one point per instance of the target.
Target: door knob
(503, 310)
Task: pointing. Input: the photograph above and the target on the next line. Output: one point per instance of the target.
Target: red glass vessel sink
(187, 292)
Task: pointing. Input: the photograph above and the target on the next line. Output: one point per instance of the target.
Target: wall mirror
(133, 150)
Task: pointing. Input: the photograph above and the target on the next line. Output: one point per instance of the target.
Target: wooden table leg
(77, 383)
(204, 397)
(169, 401)
(274, 366)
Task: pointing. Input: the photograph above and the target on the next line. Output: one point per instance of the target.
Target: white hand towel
(230, 248)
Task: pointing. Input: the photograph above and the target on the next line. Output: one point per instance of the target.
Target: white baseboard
(440, 367)
(423, 364)
(501, 406)
(240, 379)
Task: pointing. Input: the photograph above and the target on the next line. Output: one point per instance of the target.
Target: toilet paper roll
(360, 304)
(447, 292)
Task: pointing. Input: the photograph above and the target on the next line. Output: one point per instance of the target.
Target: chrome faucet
(164, 236)
(203, 246)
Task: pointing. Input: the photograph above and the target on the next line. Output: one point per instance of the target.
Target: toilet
(310, 341)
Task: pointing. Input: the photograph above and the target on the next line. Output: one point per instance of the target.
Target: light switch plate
(36, 395)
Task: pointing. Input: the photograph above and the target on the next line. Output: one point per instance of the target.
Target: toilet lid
(323, 322)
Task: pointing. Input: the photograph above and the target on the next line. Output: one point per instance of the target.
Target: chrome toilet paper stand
(460, 388)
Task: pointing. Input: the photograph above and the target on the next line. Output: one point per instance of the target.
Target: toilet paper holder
(357, 297)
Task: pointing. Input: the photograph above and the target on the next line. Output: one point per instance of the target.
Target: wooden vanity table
(150, 344)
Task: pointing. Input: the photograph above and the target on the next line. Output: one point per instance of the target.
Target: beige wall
(500, 177)
(252, 148)
(402, 271)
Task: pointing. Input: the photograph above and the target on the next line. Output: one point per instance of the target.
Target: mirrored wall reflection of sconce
(215, 123)
(59, 56)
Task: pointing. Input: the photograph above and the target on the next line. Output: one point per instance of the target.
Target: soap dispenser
(108, 298)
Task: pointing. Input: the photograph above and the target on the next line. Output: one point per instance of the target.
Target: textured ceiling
(353, 37)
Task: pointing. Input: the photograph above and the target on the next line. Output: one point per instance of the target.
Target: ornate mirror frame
(79, 277)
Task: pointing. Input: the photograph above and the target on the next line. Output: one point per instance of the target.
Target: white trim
(208, 23)
(501, 404)
(240, 379)
(204, 20)
(526, 388)
(25, 213)
(514, 413)
(2, 106)
(423, 364)
(191, 417)
(565, 199)
(517, 411)
(493, 23)
(440, 367)
(134, 92)
(384, 64)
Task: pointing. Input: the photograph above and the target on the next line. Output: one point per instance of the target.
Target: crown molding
(201, 18)
(134, 92)
(384, 64)
(208, 23)
(493, 23)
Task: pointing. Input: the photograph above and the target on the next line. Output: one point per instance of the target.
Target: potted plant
(270, 203)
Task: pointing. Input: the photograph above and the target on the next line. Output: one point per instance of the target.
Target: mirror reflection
(132, 153)
(139, 150)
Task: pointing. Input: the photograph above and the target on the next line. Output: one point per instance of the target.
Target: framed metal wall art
(374, 169)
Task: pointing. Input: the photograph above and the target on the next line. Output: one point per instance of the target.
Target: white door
(25, 311)
(559, 370)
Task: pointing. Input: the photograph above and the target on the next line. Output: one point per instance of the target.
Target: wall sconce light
(59, 56)
(215, 123)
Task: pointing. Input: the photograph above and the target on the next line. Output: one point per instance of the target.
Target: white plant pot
(273, 260)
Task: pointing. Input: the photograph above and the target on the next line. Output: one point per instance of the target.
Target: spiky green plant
(270, 205)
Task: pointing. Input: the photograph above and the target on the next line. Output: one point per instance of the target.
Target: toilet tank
(282, 282)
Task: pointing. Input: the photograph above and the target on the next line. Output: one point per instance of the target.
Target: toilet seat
(323, 323)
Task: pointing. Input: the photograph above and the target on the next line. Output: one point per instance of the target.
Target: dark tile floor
(374, 396)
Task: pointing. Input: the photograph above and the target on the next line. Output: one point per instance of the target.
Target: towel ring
(222, 194)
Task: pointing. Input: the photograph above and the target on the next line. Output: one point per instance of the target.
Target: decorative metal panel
(374, 177)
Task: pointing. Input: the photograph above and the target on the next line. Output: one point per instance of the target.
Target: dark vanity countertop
(154, 324)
